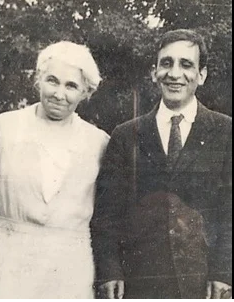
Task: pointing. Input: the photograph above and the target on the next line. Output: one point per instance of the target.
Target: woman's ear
(89, 92)
(36, 83)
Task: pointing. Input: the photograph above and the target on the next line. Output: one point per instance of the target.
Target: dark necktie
(175, 142)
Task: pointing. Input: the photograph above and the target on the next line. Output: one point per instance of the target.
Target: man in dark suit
(162, 221)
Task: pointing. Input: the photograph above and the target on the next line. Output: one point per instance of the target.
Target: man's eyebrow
(187, 60)
(166, 58)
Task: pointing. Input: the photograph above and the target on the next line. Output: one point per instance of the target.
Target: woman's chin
(55, 116)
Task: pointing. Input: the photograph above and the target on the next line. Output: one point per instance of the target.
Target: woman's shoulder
(13, 116)
(8, 115)
(92, 131)
(16, 121)
(10, 119)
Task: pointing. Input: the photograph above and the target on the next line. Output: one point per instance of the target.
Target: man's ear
(202, 76)
(153, 74)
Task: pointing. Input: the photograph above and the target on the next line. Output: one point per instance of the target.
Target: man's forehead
(180, 49)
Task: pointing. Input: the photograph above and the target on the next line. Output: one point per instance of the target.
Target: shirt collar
(189, 112)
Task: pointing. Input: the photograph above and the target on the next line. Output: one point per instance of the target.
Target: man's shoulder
(212, 118)
(224, 118)
(221, 120)
(134, 125)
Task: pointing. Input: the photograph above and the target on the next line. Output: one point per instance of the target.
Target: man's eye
(165, 64)
(186, 65)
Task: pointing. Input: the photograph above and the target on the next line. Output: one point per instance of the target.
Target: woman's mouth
(56, 104)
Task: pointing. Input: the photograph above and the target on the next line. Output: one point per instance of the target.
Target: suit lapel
(149, 139)
(198, 140)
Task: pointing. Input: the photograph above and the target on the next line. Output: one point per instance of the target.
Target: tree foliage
(121, 35)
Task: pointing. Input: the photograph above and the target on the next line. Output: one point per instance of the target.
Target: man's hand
(218, 290)
(112, 289)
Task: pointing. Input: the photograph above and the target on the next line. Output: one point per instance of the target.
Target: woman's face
(61, 89)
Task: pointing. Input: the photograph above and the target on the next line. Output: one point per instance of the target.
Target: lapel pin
(202, 143)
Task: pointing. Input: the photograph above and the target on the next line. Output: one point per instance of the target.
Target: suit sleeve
(221, 260)
(107, 224)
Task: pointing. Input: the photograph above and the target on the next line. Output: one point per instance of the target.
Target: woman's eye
(72, 86)
(52, 81)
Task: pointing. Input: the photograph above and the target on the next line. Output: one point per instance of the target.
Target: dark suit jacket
(155, 226)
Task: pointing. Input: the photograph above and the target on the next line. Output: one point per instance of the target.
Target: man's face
(178, 74)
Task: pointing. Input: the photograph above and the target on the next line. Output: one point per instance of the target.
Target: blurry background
(121, 35)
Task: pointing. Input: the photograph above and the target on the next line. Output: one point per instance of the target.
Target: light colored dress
(47, 186)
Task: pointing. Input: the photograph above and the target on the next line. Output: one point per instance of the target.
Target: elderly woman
(49, 161)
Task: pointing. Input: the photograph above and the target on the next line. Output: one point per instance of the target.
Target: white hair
(75, 55)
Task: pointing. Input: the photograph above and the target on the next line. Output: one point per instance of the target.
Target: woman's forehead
(61, 68)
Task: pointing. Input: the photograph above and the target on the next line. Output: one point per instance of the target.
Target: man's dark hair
(185, 35)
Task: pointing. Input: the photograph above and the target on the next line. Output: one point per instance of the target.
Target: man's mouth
(174, 86)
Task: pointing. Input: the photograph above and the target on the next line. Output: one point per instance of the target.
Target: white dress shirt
(163, 118)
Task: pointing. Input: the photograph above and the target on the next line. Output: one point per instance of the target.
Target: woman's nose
(60, 93)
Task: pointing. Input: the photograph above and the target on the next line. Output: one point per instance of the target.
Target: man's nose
(60, 93)
(175, 71)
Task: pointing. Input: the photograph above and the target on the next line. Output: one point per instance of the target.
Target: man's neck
(177, 106)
